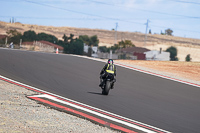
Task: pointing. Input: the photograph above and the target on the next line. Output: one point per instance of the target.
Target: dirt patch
(187, 70)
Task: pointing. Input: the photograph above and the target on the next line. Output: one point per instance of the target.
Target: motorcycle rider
(109, 68)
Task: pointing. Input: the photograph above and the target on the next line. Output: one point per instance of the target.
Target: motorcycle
(108, 84)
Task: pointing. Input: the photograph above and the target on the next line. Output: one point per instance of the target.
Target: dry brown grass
(188, 70)
(105, 36)
(154, 42)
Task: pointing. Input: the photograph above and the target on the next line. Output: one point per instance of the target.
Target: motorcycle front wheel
(106, 88)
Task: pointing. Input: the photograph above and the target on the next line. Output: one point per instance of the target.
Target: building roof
(27, 43)
(133, 50)
(45, 42)
(2, 36)
(52, 44)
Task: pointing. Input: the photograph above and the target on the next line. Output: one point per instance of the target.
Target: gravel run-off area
(20, 114)
(185, 71)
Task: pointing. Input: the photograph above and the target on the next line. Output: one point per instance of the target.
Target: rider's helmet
(110, 61)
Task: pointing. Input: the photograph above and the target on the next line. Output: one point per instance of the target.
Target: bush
(14, 36)
(125, 44)
(47, 37)
(187, 58)
(173, 53)
(103, 49)
(90, 41)
(168, 32)
(29, 36)
(76, 47)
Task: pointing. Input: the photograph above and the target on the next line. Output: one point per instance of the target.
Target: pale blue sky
(182, 16)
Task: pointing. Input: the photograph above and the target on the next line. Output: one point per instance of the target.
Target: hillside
(154, 42)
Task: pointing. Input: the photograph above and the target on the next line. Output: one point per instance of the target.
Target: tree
(29, 36)
(47, 37)
(187, 58)
(150, 31)
(71, 38)
(168, 32)
(14, 36)
(114, 48)
(71, 45)
(94, 40)
(2, 41)
(90, 41)
(125, 44)
(65, 38)
(85, 39)
(61, 43)
(103, 49)
(76, 47)
(32, 36)
(173, 53)
(162, 33)
(121, 44)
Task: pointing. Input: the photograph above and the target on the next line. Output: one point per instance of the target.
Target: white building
(85, 48)
(94, 50)
(157, 55)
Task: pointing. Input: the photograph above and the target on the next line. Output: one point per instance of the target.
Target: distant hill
(107, 37)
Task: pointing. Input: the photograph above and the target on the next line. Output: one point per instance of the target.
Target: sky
(182, 16)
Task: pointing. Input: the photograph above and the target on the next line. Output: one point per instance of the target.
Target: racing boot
(112, 86)
(101, 82)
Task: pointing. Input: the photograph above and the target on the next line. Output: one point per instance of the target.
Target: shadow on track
(95, 93)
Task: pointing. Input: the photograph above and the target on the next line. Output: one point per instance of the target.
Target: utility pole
(116, 33)
(147, 25)
(20, 44)
(6, 41)
(115, 39)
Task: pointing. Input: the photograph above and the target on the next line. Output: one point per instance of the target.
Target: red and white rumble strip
(55, 99)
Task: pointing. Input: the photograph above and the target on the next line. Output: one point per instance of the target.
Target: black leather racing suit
(107, 69)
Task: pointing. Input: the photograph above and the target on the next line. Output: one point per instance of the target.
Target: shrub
(173, 53)
(187, 58)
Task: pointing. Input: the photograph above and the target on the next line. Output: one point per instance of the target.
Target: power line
(146, 10)
(147, 26)
(78, 12)
(110, 5)
(11, 0)
(27, 17)
(88, 18)
(95, 19)
(99, 16)
(187, 2)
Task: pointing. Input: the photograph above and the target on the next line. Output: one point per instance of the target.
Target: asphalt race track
(152, 100)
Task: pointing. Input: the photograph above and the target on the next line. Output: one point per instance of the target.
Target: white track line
(95, 113)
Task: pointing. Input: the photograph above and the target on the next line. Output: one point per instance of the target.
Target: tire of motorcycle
(106, 88)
